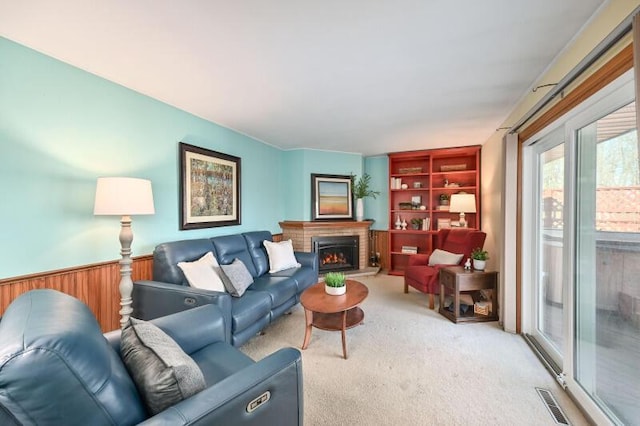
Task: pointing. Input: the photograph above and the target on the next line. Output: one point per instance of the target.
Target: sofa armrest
(154, 299)
(307, 259)
(226, 401)
(192, 329)
(195, 328)
(418, 260)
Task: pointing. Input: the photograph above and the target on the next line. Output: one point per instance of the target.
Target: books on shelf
(426, 224)
(395, 183)
(409, 249)
(443, 208)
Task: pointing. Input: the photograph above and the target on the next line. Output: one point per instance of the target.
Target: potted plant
(444, 199)
(335, 283)
(480, 258)
(416, 223)
(360, 191)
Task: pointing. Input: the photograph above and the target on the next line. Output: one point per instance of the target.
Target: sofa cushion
(280, 289)
(238, 278)
(163, 373)
(304, 277)
(249, 308)
(256, 249)
(202, 273)
(281, 256)
(443, 257)
(231, 247)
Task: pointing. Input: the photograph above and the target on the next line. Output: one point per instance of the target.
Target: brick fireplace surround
(300, 233)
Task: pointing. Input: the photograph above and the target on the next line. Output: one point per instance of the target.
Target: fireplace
(337, 253)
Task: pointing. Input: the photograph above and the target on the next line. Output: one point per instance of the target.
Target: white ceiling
(365, 76)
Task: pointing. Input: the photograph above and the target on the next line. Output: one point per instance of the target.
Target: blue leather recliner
(57, 368)
(270, 295)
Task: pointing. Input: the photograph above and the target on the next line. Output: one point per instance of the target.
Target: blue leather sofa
(57, 368)
(270, 295)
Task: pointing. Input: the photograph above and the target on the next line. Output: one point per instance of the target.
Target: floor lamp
(121, 196)
(462, 203)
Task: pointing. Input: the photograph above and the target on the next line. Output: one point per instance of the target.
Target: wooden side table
(455, 280)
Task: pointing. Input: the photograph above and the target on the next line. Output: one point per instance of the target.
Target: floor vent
(553, 406)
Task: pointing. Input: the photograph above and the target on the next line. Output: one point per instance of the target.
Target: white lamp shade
(121, 196)
(463, 203)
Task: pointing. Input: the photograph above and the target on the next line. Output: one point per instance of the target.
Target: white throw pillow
(201, 273)
(281, 256)
(442, 257)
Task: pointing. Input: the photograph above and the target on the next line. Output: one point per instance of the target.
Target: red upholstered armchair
(424, 278)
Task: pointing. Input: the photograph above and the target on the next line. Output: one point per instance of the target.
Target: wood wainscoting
(380, 242)
(96, 285)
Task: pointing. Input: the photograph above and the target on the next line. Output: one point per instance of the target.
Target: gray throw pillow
(238, 278)
(163, 373)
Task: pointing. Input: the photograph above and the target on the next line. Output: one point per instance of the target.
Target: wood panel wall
(96, 285)
(381, 245)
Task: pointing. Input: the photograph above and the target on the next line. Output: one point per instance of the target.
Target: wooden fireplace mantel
(301, 224)
(301, 232)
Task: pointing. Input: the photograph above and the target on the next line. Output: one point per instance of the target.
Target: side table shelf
(455, 280)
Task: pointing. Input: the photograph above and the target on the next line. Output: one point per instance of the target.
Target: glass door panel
(550, 318)
(607, 288)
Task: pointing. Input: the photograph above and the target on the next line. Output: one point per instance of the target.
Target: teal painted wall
(298, 178)
(294, 184)
(378, 169)
(61, 128)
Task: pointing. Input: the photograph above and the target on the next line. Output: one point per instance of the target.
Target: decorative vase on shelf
(404, 225)
(359, 209)
(398, 223)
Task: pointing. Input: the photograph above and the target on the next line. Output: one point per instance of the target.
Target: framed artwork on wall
(331, 197)
(209, 188)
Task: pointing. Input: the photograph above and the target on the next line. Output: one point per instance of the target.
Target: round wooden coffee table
(333, 313)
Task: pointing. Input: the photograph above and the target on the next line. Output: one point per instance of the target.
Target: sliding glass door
(581, 245)
(548, 289)
(607, 335)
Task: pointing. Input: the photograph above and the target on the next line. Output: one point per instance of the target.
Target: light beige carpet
(408, 365)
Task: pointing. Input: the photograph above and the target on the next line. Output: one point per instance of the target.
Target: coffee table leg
(344, 334)
(307, 333)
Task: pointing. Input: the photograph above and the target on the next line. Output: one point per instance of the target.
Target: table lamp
(122, 196)
(462, 203)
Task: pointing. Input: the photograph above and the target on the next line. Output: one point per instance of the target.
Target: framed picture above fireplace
(331, 197)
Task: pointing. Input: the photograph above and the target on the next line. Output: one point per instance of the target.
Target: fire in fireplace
(337, 253)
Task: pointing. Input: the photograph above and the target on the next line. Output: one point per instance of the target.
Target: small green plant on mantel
(335, 279)
(479, 254)
(361, 187)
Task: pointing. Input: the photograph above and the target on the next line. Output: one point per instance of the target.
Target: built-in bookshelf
(420, 186)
